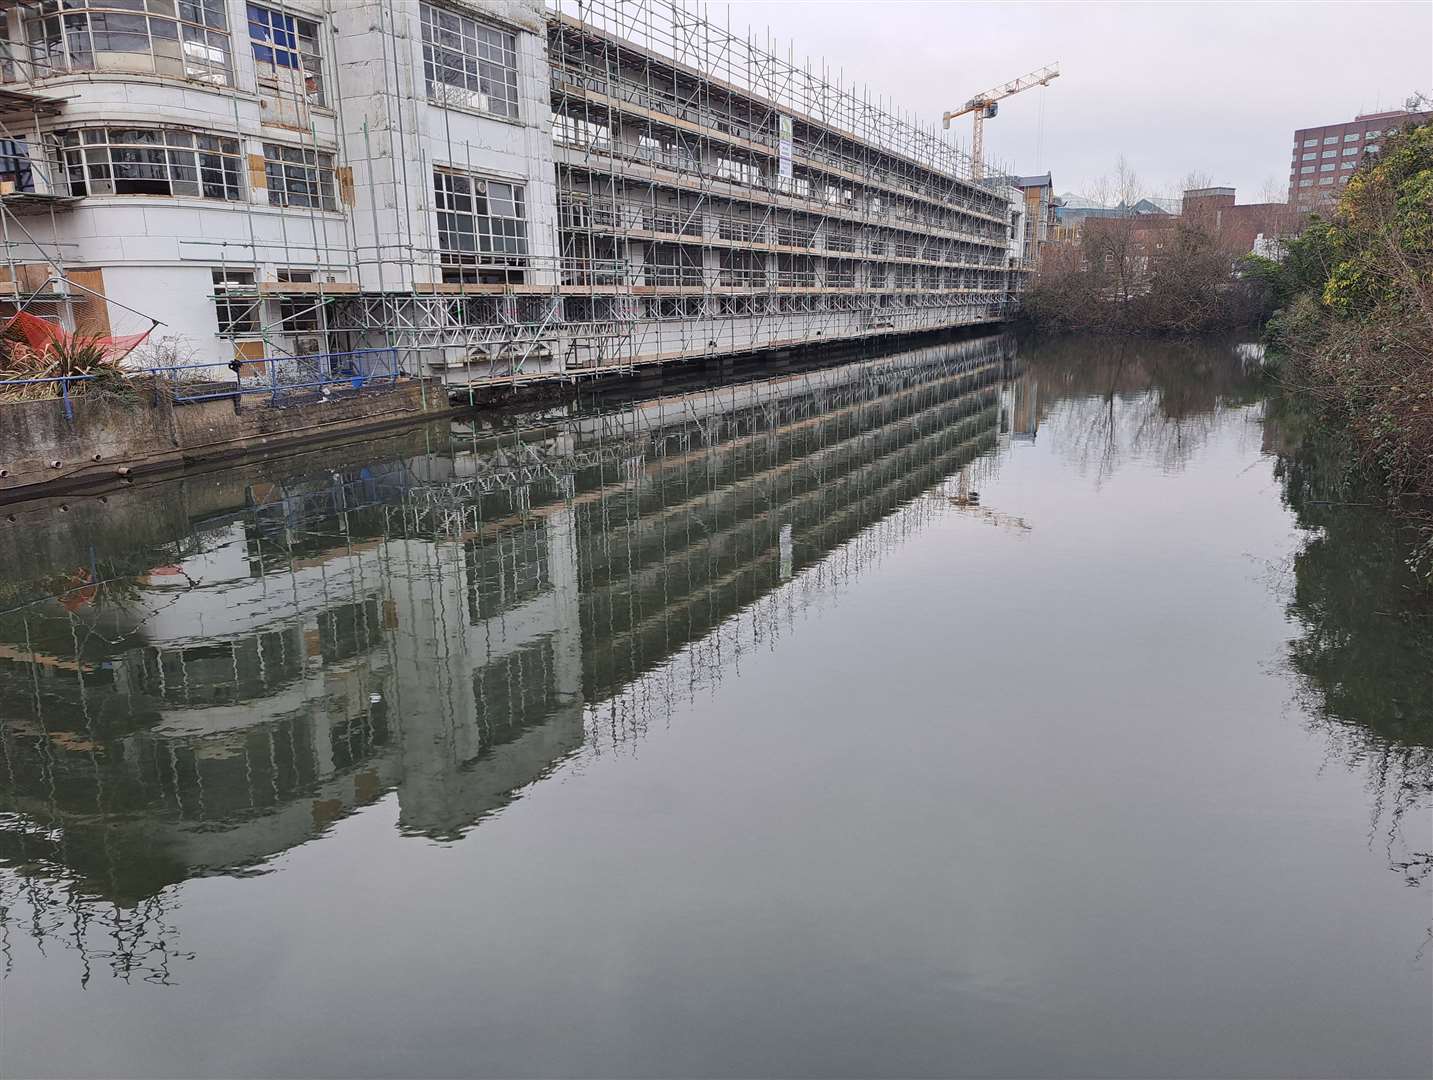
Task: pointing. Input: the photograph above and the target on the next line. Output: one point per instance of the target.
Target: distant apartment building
(1325, 157)
(497, 189)
(1041, 207)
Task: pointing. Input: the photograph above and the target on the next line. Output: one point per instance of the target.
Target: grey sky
(1178, 88)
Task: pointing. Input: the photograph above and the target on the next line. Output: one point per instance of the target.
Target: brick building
(1325, 157)
(1233, 226)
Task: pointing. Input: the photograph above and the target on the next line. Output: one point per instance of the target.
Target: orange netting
(44, 336)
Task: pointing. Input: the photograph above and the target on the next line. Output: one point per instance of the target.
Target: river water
(952, 712)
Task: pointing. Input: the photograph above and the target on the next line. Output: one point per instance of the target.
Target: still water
(948, 713)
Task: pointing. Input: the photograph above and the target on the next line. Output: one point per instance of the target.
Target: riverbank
(62, 444)
(76, 439)
(1354, 329)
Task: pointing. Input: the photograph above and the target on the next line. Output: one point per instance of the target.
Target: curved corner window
(151, 161)
(186, 39)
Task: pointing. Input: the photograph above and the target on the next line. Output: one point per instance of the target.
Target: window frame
(62, 40)
(236, 321)
(311, 174)
(283, 38)
(92, 166)
(458, 196)
(459, 69)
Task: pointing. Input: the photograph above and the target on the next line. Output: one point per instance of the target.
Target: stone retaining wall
(41, 449)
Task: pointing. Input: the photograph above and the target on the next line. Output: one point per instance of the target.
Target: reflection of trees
(1364, 660)
(1118, 398)
(135, 942)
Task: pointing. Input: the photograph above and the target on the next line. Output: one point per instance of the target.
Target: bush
(1358, 329)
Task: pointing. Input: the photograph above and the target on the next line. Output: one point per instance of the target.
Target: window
(1305, 183)
(1330, 153)
(467, 63)
(298, 314)
(1325, 179)
(1307, 169)
(15, 165)
(236, 314)
(1350, 150)
(575, 131)
(187, 39)
(1327, 166)
(151, 161)
(1371, 134)
(1310, 142)
(1331, 140)
(1347, 164)
(299, 177)
(286, 49)
(480, 222)
(1371, 148)
(1309, 157)
(1351, 138)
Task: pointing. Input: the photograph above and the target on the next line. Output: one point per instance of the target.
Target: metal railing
(281, 377)
(62, 382)
(277, 377)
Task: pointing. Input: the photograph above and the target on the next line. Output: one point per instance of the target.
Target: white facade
(313, 176)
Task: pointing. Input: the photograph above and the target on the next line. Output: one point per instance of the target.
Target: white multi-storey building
(493, 188)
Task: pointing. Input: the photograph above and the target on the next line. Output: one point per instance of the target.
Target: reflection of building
(441, 627)
(1325, 157)
(1019, 408)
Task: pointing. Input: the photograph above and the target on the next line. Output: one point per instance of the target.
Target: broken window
(151, 161)
(286, 50)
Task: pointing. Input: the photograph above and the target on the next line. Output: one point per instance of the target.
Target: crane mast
(984, 106)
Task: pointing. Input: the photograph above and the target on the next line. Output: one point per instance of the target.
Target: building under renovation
(495, 189)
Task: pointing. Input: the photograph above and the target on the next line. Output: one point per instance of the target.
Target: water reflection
(198, 676)
(1132, 398)
(1364, 658)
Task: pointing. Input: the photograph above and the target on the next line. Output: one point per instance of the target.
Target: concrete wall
(394, 137)
(40, 446)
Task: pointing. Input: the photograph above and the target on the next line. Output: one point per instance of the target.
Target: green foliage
(1384, 230)
(68, 355)
(1357, 329)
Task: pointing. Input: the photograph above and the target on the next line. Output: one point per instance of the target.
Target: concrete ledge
(42, 450)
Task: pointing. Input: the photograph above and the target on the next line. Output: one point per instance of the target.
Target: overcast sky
(1177, 88)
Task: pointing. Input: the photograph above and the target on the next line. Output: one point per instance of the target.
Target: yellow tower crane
(984, 107)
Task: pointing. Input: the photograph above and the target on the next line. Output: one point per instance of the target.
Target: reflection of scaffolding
(487, 590)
